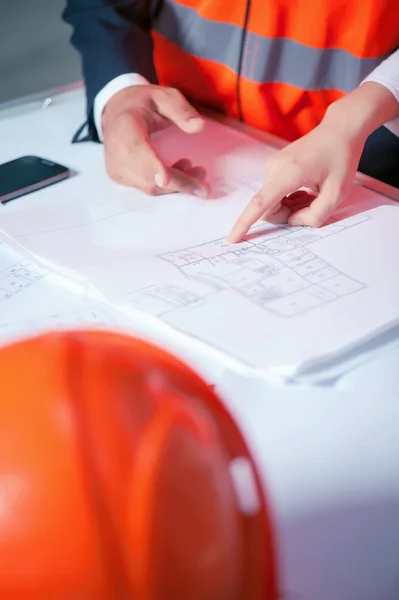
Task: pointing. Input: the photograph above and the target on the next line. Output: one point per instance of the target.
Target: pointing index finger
(271, 193)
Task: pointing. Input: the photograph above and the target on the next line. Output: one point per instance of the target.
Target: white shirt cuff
(113, 87)
(387, 74)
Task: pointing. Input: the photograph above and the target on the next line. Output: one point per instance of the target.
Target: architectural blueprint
(33, 299)
(277, 270)
(16, 274)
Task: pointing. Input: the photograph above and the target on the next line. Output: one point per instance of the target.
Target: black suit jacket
(113, 38)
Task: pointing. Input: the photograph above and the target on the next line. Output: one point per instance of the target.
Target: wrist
(120, 102)
(362, 111)
(105, 95)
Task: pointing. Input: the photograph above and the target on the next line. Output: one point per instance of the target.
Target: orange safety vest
(276, 64)
(123, 476)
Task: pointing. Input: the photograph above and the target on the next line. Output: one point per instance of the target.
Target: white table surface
(329, 457)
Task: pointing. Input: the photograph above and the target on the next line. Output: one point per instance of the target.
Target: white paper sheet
(280, 302)
(34, 301)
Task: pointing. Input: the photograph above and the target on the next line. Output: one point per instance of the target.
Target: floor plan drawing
(277, 270)
(53, 303)
(16, 276)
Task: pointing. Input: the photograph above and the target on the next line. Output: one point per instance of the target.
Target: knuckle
(314, 221)
(188, 188)
(295, 161)
(281, 161)
(179, 99)
(295, 165)
(149, 188)
(166, 96)
(258, 201)
(173, 92)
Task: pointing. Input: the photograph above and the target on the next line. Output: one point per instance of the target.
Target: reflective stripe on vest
(290, 66)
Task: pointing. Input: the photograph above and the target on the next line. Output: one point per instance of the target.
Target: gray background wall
(35, 53)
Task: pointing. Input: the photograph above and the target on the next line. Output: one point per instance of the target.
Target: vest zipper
(240, 60)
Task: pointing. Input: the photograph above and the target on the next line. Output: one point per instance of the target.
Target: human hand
(128, 121)
(324, 161)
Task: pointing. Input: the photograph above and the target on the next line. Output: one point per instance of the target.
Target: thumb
(172, 105)
(322, 207)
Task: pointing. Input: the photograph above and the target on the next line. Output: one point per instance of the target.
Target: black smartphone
(28, 174)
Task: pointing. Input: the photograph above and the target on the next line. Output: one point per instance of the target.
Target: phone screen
(28, 174)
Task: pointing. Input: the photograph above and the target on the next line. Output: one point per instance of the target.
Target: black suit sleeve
(113, 38)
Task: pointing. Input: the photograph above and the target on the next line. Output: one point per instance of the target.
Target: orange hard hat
(122, 476)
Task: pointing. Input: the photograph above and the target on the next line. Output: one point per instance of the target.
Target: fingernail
(200, 192)
(159, 180)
